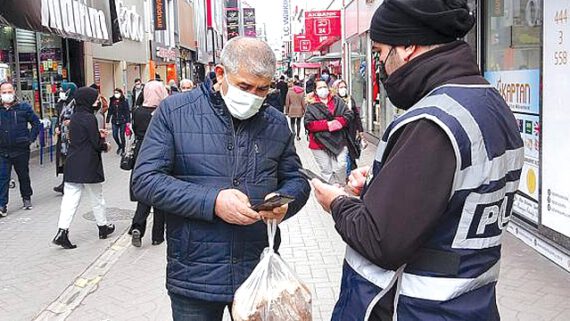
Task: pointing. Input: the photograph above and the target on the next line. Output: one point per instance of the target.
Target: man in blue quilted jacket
(207, 156)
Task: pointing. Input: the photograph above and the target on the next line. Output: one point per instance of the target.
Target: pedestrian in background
(424, 238)
(64, 109)
(15, 140)
(283, 89)
(137, 94)
(274, 97)
(192, 165)
(355, 130)
(310, 84)
(84, 168)
(154, 93)
(295, 107)
(186, 85)
(173, 89)
(327, 120)
(119, 115)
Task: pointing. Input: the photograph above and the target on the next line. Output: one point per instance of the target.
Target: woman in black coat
(154, 93)
(119, 115)
(83, 167)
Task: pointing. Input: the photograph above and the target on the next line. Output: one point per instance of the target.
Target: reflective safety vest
(453, 275)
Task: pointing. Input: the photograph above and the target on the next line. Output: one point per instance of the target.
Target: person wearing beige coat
(295, 107)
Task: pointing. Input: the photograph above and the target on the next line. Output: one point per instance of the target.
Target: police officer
(424, 238)
(15, 140)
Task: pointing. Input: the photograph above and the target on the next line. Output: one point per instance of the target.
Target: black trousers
(20, 162)
(139, 221)
(297, 121)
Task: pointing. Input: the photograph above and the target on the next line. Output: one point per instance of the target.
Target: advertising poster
(519, 88)
(556, 117)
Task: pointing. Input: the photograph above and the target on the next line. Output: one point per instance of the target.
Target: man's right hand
(233, 207)
(357, 179)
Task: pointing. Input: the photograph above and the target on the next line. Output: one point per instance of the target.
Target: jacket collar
(451, 63)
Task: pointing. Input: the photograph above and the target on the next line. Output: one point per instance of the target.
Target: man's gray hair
(251, 54)
(186, 82)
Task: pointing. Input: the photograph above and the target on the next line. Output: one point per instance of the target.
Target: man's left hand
(277, 213)
(326, 193)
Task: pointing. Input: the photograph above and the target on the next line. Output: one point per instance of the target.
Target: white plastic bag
(272, 292)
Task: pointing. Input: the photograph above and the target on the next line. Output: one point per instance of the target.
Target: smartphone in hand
(273, 202)
(309, 175)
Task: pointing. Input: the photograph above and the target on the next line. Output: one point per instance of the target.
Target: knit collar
(450, 63)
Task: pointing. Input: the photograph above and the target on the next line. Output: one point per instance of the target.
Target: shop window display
(7, 58)
(513, 57)
(52, 71)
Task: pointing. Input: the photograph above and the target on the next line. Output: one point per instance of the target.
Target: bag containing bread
(272, 292)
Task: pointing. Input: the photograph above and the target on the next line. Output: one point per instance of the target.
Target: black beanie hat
(420, 22)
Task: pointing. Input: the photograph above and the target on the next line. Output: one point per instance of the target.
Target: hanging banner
(302, 44)
(249, 22)
(87, 20)
(159, 12)
(325, 23)
(556, 119)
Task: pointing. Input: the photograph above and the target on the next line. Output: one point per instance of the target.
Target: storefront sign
(556, 118)
(165, 53)
(302, 44)
(249, 22)
(130, 22)
(286, 20)
(323, 23)
(232, 22)
(159, 14)
(88, 20)
(519, 88)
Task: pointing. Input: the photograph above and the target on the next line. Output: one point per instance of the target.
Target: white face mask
(117, 96)
(342, 92)
(323, 93)
(242, 105)
(8, 98)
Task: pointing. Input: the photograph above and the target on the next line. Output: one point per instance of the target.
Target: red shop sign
(302, 44)
(325, 23)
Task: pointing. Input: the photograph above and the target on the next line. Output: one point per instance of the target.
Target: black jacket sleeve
(404, 202)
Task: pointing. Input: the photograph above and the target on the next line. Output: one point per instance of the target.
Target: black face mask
(383, 74)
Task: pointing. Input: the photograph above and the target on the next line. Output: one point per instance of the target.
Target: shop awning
(87, 20)
(305, 65)
(331, 56)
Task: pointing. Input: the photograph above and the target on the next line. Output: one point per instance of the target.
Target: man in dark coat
(283, 89)
(137, 94)
(15, 140)
(207, 156)
(84, 167)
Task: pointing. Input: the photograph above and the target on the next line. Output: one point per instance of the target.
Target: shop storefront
(164, 53)
(187, 40)
(36, 49)
(119, 65)
(524, 57)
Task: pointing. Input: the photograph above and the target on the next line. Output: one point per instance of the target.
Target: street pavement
(111, 280)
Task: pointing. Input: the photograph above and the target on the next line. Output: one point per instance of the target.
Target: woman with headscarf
(355, 130)
(83, 167)
(154, 93)
(327, 120)
(64, 109)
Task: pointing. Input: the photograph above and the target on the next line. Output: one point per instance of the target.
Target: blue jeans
(20, 162)
(187, 309)
(119, 135)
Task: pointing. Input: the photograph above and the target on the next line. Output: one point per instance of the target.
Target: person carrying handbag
(154, 93)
